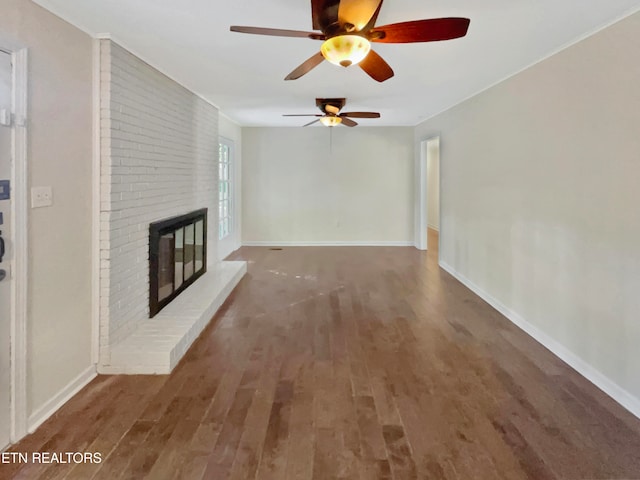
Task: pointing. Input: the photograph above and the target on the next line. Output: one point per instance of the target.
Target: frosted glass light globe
(330, 121)
(345, 50)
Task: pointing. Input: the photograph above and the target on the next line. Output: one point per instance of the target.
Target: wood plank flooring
(347, 363)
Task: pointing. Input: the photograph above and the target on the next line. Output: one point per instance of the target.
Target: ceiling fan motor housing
(338, 103)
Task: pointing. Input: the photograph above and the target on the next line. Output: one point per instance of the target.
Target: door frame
(421, 207)
(18, 239)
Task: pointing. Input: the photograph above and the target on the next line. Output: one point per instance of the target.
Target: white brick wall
(159, 159)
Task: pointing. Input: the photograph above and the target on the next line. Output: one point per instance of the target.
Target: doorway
(429, 198)
(6, 247)
(432, 153)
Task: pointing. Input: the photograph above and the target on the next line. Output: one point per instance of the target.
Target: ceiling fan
(348, 28)
(331, 107)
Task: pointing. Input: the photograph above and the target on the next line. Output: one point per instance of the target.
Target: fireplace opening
(177, 256)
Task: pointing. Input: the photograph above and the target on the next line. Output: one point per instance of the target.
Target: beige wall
(297, 188)
(59, 155)
(540, 199)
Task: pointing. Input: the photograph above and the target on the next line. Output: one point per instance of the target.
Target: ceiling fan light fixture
(330, 121)
(345, 50)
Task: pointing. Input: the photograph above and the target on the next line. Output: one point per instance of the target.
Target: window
(224, 189)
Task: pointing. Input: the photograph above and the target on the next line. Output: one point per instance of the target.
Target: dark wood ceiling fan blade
(432, 30)
(302, 115)
(324, 13)
(311, 123)
(348, 122)
(375, 66)
(358, 13)
(306, 67)
(360, 114)
(277, 32)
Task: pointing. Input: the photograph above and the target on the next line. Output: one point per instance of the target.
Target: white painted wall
(232, 131)
(539, 202)
(433, 189)
(159, 159)
(59, 155)
(296, 188)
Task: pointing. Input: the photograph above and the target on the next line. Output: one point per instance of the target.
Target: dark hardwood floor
(347, 363)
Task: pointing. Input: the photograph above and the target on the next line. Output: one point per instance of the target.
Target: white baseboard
(604, 383)
(328, 243)
(50, 407)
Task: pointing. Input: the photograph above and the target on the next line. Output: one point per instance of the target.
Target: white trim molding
(20, 241)
(42, 413)
(328, 243)
(95, 209)
(121, 43)
(570, 43)
(615, 391)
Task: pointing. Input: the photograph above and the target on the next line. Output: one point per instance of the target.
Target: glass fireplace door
(177, 256)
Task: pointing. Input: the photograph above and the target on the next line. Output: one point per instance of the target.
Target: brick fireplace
(158, 156)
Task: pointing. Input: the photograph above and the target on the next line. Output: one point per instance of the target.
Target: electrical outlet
(41, 197)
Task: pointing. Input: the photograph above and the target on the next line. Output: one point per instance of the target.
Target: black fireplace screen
(177, 256)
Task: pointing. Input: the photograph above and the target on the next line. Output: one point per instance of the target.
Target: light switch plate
(41, 197)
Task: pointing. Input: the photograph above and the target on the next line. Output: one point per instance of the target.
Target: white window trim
(231, 242)
(229, 181)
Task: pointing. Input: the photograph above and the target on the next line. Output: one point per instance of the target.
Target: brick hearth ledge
(157, 344)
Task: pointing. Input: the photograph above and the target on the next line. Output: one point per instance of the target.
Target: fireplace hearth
(177, 256)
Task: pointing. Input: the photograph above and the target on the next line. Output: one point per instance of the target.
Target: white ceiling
(243, 74)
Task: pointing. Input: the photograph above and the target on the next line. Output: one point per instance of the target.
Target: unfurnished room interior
(319, 239)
